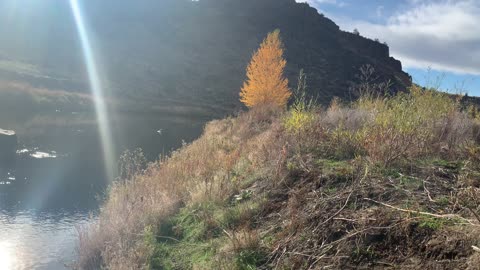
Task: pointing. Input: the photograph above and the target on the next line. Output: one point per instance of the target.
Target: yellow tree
(266, 83)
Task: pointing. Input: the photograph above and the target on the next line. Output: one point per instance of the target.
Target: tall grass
(262, 144)
(413, 124)
(408, 126)
(209, 170)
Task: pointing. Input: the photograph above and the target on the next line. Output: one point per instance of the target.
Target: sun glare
(6, 257)
(96, 88)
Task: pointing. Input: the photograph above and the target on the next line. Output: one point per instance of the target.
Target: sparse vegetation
(351, 186)
(302, 114)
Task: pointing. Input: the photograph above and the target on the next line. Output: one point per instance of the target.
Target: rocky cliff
(194, 53)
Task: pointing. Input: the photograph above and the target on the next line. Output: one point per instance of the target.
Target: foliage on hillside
(381, 182)
(266, 82)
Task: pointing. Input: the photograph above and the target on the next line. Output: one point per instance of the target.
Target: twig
(229, 235)
(280, 258)
(477, 249)
(338, 212)
(346, 201)
(305, 255)
(422, 213)
(474, 213)
(426, 190)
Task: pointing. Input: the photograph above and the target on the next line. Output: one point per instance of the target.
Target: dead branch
(426, 190)
(346, 201)
(474, 213)
(450, 216)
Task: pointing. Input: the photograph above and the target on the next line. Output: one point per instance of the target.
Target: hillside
(383, 183)
(183, 53)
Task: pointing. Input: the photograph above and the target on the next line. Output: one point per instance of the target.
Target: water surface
(59, 179)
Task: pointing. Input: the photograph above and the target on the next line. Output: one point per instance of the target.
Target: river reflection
(31, 240)
(59, 181)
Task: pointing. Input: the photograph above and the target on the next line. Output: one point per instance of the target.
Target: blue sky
(438, 41)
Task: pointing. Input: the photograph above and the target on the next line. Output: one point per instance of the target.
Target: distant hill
(182, 52)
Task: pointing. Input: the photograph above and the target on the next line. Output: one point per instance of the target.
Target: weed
(249, 259)
(302, 113)
(443, 201)
(336, 169)
(410, 182)
(433, 223)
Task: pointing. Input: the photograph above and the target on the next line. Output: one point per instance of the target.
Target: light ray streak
(96, 88)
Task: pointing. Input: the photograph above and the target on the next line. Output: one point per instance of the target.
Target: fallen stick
(477, 249)
(422, 213)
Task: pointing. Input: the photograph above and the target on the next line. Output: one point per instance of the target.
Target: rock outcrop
(193, 54)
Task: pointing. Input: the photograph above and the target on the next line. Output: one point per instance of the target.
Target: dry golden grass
(421, 123)
(203, 171)
(256, 145)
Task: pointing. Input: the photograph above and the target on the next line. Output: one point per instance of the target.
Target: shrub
(344, 127)
(297, 120)
(411, 125)
(416, 124)
(132, 163)
(302, 113)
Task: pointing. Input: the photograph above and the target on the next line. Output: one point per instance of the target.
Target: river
(58, 181)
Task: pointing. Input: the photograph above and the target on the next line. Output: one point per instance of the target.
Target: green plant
(443, 201)
(301, 114)
(407, 125)
(247, 250)
(432, 222)
(249, 259)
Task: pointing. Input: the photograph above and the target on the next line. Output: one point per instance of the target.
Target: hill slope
(183, 52)
(381, 183)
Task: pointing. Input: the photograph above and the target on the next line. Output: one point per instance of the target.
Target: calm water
(58, 180)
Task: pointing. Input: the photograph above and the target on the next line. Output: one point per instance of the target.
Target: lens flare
(96, 88)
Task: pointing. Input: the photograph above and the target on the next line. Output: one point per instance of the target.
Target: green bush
(299, 120)
(408, 125)
(302, 112)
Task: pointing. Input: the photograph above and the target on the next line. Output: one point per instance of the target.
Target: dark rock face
(193, 54)
(206, 46)
(8, 147)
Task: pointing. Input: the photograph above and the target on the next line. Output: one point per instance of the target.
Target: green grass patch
(433, 223)
(249, 259)
(194, 238)
(335, 168)
(410, 182)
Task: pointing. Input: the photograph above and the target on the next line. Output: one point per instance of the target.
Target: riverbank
(383, 182)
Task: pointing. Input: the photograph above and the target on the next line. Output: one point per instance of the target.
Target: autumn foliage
(265, 82)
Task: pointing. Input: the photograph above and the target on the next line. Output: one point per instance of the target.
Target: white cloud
(318, 2)
(441, 34)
